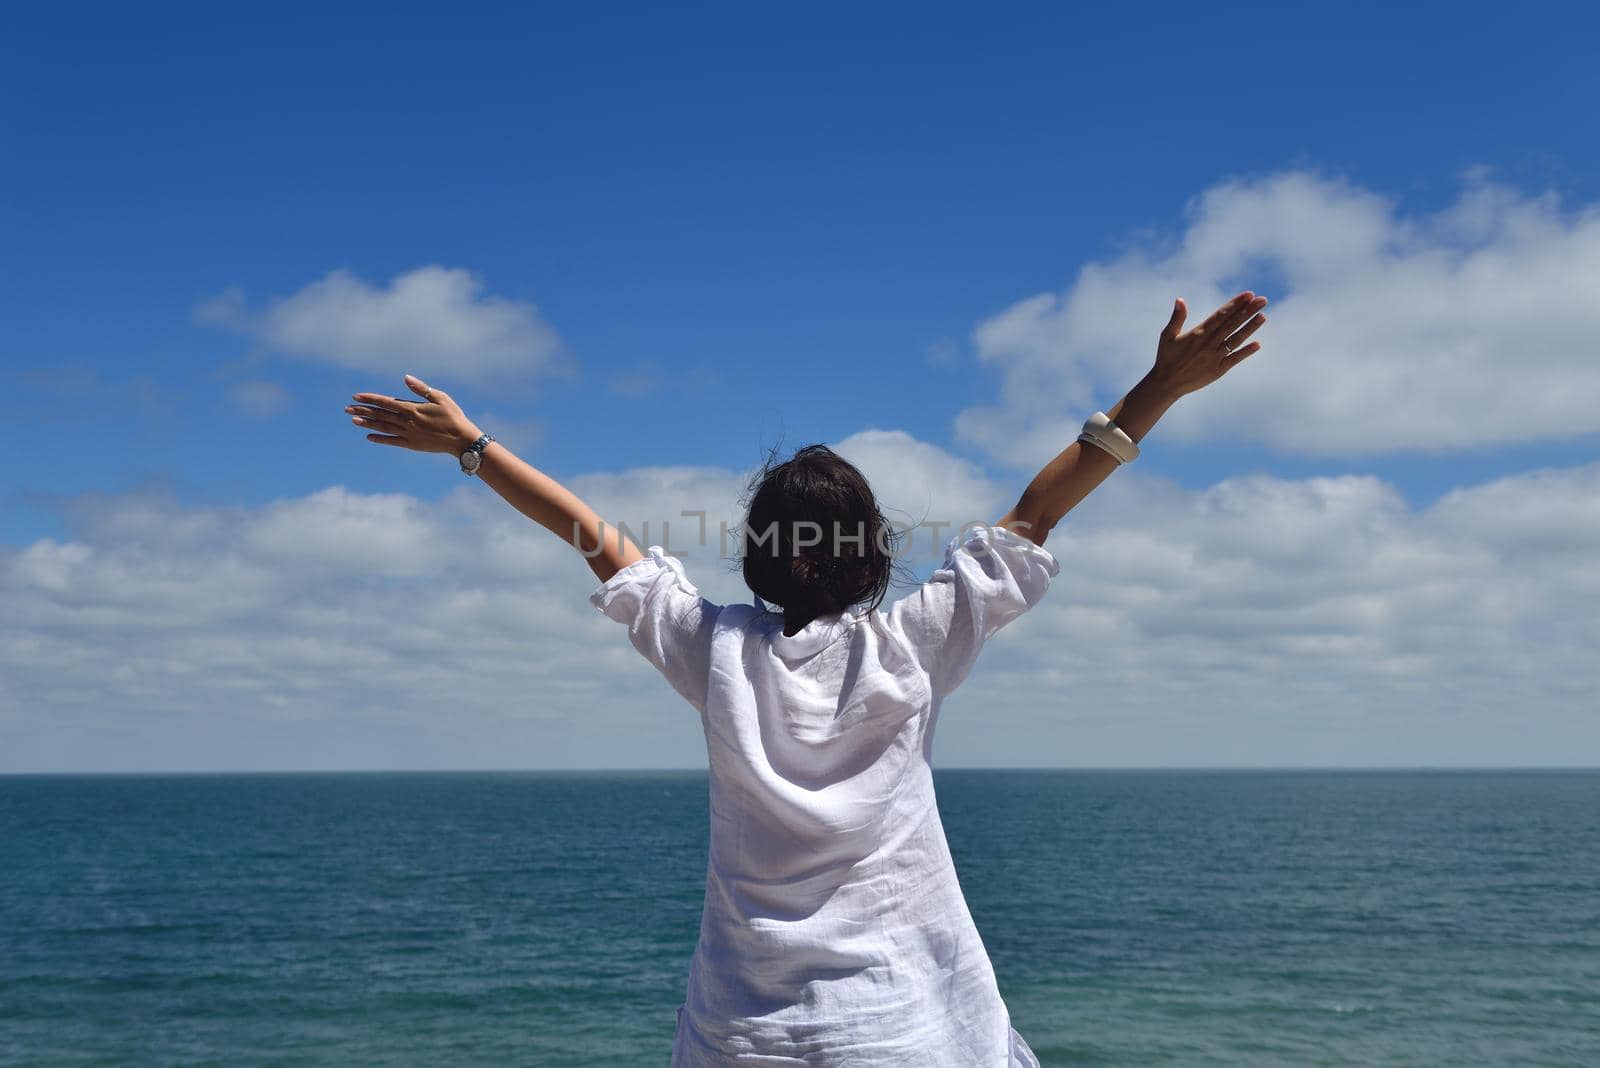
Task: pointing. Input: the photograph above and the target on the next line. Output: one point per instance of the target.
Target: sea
(544, 918)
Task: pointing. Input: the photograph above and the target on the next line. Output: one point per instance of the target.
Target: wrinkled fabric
(834, 931)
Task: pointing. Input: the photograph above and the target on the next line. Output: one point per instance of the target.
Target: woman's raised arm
(438, 424)
(1185, 362)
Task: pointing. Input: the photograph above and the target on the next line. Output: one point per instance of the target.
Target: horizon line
(1079, 768)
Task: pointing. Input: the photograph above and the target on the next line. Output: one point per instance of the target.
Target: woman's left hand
(435, 424)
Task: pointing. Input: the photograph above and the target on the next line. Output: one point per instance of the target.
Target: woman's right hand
(1186, 362)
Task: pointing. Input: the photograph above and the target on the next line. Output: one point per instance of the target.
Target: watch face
(470, 460)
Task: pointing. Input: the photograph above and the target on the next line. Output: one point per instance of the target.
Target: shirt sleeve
(667, 619)
(989, 577)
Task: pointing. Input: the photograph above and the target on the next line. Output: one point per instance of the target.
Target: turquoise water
(1134, 918)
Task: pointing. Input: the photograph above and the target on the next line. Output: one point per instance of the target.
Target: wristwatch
(472, 458)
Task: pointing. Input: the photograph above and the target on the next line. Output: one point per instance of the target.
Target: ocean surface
(1134, 918)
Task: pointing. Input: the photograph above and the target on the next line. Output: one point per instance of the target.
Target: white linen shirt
(834, 931)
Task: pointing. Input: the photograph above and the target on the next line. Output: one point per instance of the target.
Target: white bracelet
(1099, 430)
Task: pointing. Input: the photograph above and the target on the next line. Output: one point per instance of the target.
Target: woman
(834, 931)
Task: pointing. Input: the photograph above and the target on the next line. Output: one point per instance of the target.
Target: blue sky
(741, 226)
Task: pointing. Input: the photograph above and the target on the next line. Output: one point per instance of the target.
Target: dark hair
(814, 540)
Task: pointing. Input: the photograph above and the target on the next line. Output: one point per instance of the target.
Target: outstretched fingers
(375, 418)
(1228, 318)
(397, 405)
(1218, 317)
(1239, 336)
(375, 413)
(1230, 360)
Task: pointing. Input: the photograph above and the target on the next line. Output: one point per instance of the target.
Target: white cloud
(1470, 327)
(919, 483)
(1314, 621)
(1259, 620)
(435, 322)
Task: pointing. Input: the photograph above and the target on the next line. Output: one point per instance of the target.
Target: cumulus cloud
(1468, 327)
(1315, 621)
(430, 321)
(1261, 619)
(921, 484)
